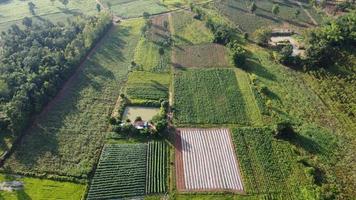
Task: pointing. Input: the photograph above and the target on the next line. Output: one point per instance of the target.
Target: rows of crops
(268, 166)
(157, 155)
(121, 172)
(208, 96)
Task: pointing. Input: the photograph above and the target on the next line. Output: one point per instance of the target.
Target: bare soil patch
(202, 55)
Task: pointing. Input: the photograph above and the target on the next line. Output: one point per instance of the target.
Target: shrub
(262, 36)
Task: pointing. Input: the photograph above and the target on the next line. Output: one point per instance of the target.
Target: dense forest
(36, 59)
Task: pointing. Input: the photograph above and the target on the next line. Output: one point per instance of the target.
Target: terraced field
(157, 167)
(121, 172)
(206, 161)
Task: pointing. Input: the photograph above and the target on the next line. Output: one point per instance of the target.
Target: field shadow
(180, 38)
(67, 11)
(238, 8)
(159, 86)
(254, 66)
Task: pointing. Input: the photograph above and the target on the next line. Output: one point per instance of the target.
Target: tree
(161, 51)
(286, 54)
(165, 25)
(98, 7)
(262, 36)
(64, 2)
(52, 2)
(296, 13)
(238, 54)
(31, 7)
(146, 15)
(27, 22)
(275, 9)
(284, 130)
(253, 7)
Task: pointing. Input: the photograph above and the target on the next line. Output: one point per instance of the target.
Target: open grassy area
(147, 56)
(13, 11)
(203, 55)
(208, 96)
(66, 140)
(35, 188)
(143, 86)
(188, 31)
(238, 12)
(134, 8)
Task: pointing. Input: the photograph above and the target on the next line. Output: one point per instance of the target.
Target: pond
(146, 113)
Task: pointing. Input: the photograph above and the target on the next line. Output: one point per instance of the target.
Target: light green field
(35, 188)
(134, 8)
(68, 138)
(148, 58)
(144, 86)
(188, 31)
(13, 11)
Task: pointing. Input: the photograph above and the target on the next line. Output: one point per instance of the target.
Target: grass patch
(147, 86)
(208, 96)
(188, 31)
(121, 172)
(13, 11)
(203, 55)
(68, 138)
(35, 188)
(147, 56)
(134, 8)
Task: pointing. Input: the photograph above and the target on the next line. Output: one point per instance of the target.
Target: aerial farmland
(177, 99)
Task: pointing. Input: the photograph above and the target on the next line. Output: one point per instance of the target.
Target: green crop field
(13, 11)
(238, 12)
(35, 188)
(121, 172)
(147, 86)
(68, 138)
(188, 31)
(273, 166)
(134, 8)
(157, 167)
(208, 96)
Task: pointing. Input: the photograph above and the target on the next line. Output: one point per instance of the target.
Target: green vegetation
(188, 30)
(35, 188)
(282, 167)
(149, 86)
(148, 58)
(33, 72)
(121, 172)
(134, 8)
(13, 11)
(67, 138)
(157, 167)
(208, 96)
(240, 13)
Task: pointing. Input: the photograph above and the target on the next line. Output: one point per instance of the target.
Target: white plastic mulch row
(209, 160)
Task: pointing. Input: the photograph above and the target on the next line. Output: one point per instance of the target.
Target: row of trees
(37, 59)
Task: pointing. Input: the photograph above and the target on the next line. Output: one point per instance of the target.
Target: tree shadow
(68, 121)
(254, 66)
